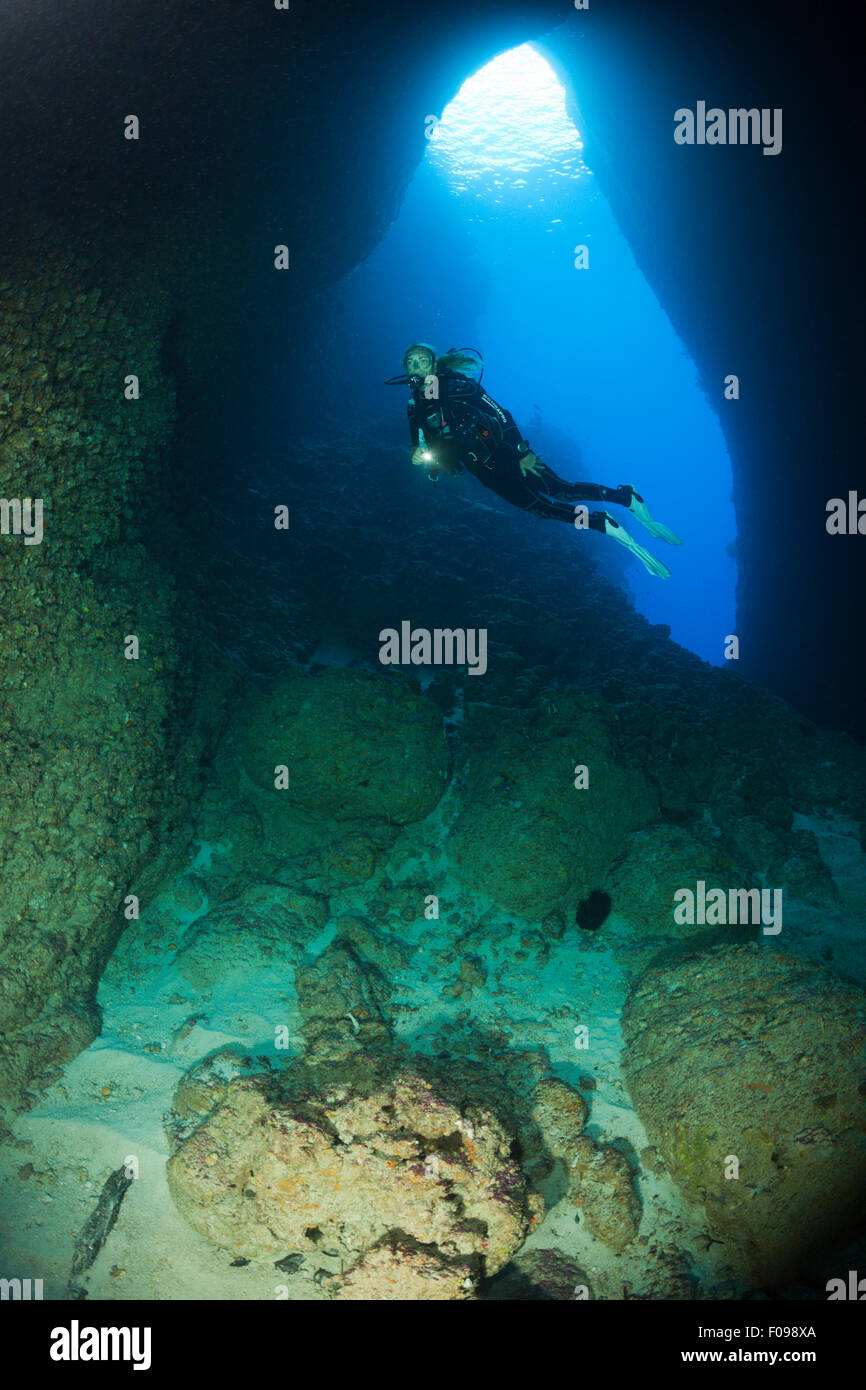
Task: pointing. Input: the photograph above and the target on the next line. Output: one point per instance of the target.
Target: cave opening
(391, 889)
(486, 250)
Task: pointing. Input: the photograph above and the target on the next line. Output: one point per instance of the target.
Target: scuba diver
(455, 425)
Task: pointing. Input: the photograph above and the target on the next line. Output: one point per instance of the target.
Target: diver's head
(418, 359)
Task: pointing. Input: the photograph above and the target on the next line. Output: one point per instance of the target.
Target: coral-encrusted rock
(202, 1088)
(357, 746)
(341, 998)
(550, 1128)
(601, 1185)
(326, 855)
(559, 1159)
(364, 1158)
(560, 1113)
(526, 836)
(405, 1271)
(753, 1055)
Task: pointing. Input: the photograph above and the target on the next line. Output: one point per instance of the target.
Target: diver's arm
(420, 455)
(414, 427)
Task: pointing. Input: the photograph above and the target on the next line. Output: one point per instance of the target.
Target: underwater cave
(433, 781)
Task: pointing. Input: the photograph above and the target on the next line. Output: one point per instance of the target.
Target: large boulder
(748, 1069)
(642, 882)
(526, 836)
(265, 928)
(358, 746)
(370, 1159)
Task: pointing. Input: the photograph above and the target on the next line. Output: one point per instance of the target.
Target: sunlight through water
(576, 343)
(507, 130)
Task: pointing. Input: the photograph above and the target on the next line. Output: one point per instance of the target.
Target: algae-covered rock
(602, 1187)
(265, 928)
(98, 764)
(202, 1088)
(33, 1056)
(561, 1160)
(526, 835)
(787, 859)
(380, 949)
(99, 744)
(653, 865)
(560, 1113)
(357, 746)
(371, 1160)
(748, 1070)
(326, 855)
(550, 1122)
(342, 999)
(230, 832)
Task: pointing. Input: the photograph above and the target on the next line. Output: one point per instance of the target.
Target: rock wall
(755, 260)
(99, 752)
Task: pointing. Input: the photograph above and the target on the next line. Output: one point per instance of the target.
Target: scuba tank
(474, 371)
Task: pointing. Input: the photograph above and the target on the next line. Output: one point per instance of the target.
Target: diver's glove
(528, 460)
(619, 533)
(639, 509)
(530, 463)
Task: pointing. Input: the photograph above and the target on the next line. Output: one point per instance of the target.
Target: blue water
(482, 253)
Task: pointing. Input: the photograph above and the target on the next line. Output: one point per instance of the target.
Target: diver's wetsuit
(468, 425)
